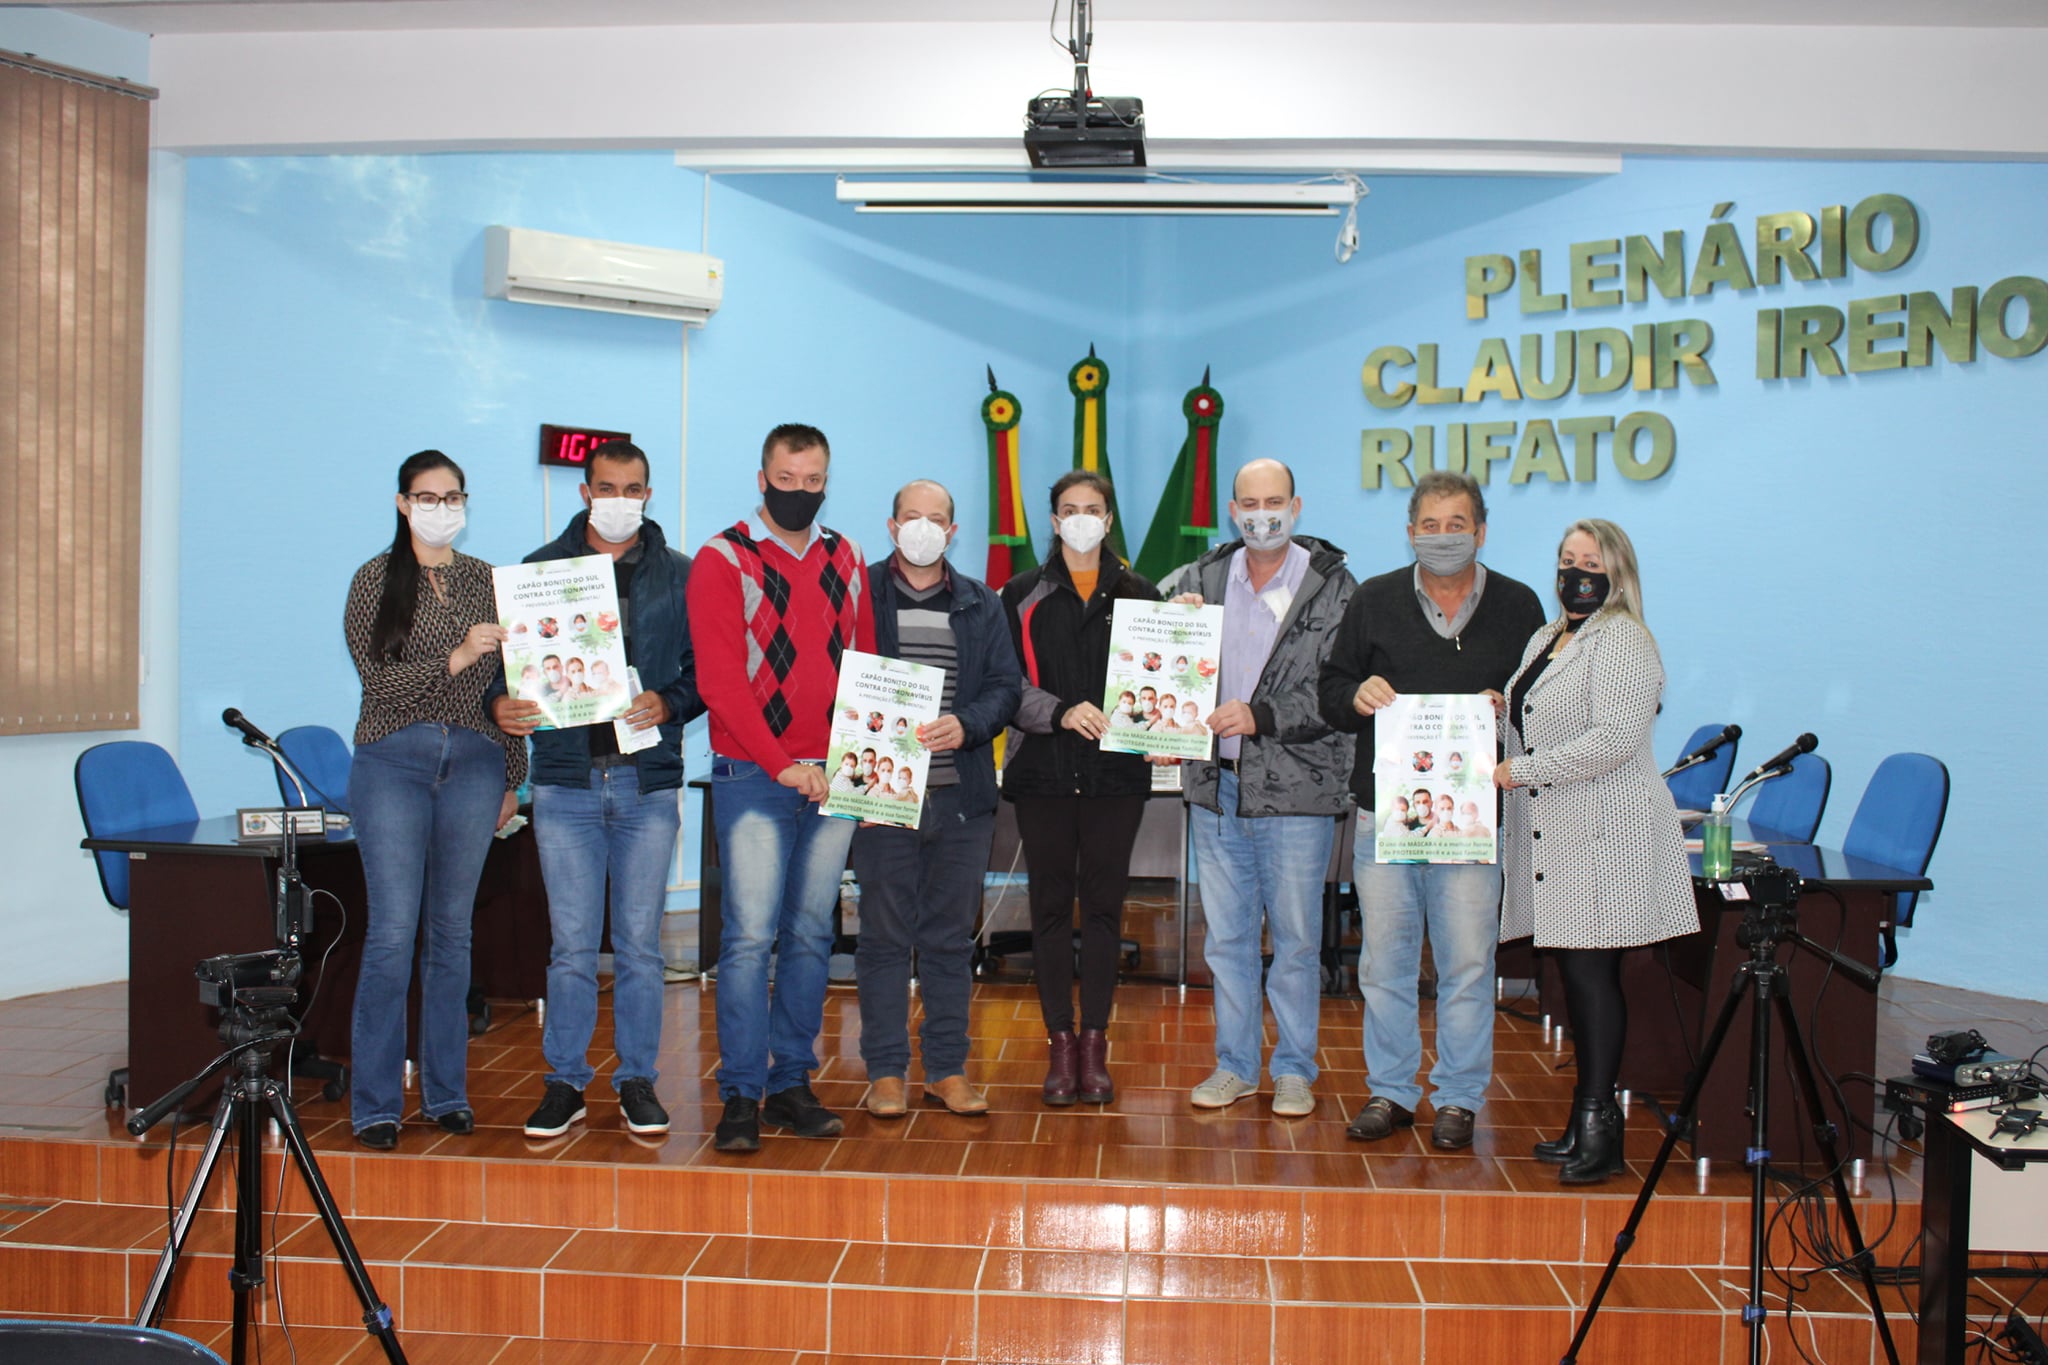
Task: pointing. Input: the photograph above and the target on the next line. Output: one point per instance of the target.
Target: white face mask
(1083, 531)
(1264, 530)
(617, 519)
(437, 527)
(921, 540)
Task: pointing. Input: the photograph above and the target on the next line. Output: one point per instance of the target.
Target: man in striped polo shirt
(921, 888)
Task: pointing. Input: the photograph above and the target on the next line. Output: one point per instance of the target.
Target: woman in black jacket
(1078, 808)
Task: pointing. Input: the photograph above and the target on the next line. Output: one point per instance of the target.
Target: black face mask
(793, 509)
(1582, 591)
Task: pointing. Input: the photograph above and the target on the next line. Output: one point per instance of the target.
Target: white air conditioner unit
(525, 266)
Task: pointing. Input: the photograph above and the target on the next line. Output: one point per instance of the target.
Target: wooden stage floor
(1144, 1233)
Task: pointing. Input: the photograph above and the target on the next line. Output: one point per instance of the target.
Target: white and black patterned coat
(1592, 849)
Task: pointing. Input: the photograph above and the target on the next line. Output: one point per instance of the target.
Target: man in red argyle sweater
(774, 602)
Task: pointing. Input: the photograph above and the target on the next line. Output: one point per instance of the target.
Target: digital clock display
(570, 447)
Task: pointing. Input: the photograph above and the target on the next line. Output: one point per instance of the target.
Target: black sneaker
(740, 1129)
(798, 1110)
(643, 1112)
(561, 1106)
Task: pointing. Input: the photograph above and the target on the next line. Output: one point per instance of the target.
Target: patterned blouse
(416, 686)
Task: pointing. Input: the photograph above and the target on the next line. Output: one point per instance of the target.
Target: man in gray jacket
(1264, 810)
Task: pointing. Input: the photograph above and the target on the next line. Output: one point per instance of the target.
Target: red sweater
(768, 630)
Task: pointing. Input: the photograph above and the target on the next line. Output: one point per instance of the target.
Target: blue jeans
(781, 861)
(426, 804)
(1459, 903)
(919, 889)
(609, 829)
(1269, 870)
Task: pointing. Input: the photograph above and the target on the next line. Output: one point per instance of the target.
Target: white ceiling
(273, 16)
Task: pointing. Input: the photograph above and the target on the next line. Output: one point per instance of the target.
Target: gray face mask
(1263, 530)
(1446, 556)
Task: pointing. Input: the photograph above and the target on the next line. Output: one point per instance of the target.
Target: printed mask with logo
(1083, 531)
(1265, 529)
(1582, 591)
(617, 520)
(1447, 555)
(436, 527)
(793, 509)
(922, 541)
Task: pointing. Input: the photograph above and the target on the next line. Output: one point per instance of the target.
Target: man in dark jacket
(598, 811)
(1442, 624)
(1263, 810)
(921, 888)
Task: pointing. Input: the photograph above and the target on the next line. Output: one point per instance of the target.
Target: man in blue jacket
(921, 888)
(598, 812)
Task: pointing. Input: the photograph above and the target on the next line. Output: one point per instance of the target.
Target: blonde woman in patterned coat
(1594, 862)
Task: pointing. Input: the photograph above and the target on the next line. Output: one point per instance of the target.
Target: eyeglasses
(437, 499)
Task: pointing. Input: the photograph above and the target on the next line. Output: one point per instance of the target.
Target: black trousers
(1077, 845)
(1597, 1011)
(919, 889)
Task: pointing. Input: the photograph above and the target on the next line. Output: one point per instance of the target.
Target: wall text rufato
(2008, 319)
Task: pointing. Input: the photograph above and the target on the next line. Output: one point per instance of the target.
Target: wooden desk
(194, 892)
(1958, 1148)
(1676, 989)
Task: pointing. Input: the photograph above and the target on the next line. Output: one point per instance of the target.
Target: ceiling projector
(1078, 128)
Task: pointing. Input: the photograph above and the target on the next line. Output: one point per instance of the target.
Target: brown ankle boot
(1060, 1081)
(1096, 1086)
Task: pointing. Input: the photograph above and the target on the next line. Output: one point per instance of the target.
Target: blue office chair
(1787, 809)
(322, 758)
(29, 1342)
(1697, 786)
(1897, 824)
(123, 787)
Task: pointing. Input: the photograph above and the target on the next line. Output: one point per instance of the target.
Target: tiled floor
(1143, 1232)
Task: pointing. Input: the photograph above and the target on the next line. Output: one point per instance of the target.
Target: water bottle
(1717, 842)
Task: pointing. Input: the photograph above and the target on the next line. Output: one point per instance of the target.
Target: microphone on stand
(235, 720)
(256, 739)
(1805, 744)
(1706, 751)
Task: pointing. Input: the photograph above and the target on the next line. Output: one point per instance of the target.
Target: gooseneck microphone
(235, 720)
(1805, 744)
(1706, 751)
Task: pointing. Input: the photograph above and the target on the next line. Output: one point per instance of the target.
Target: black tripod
(1771, 921)
(256, 1020)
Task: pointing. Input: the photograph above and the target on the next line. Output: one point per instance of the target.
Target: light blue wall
(56, 929)
(1805, 560)
(83, 44)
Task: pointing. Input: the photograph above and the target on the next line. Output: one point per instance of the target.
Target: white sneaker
(1292, 1098)
(1222, 1090)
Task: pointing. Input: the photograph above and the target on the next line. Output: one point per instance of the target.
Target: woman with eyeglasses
(433, 780)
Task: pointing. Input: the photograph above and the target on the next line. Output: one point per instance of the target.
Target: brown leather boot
(1060, 1070)
(1096, 1086)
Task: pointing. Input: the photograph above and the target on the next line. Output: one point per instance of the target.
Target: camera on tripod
(261, 981)
(1769, 895)
(1756, 878)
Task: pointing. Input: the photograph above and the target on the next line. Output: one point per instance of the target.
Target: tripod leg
(151, 1312)
(1769, 982)
(376, 1316)
(1680, 1123)
(1824, 1133)
(245, 1275)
